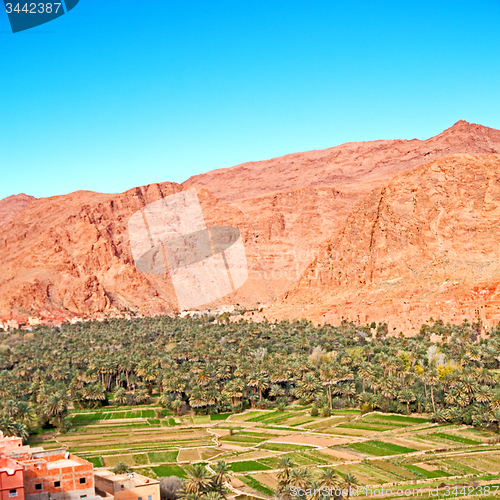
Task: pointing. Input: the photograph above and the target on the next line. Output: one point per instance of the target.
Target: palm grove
(211, 365)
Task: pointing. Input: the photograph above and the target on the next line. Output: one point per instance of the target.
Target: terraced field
(377, 449)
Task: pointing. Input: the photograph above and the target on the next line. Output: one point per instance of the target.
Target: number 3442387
(33, 8)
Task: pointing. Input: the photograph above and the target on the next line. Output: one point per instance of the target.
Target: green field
(256, 485)
(248, 465)
(169, 470)
(380, 448)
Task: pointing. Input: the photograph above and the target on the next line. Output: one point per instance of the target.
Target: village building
(131, 486)
(11, 480)
(36, 474)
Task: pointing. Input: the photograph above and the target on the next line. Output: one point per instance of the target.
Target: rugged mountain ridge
(425, 245)
(69, 256)
(349, 164)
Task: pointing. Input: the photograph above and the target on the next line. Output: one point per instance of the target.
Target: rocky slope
(425, 245)
(295, 202)
(70, 255)
(10, 206)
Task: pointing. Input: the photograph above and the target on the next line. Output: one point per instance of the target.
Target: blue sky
(117, 94)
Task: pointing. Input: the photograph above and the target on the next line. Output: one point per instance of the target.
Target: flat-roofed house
(57, 475)
(131, 486)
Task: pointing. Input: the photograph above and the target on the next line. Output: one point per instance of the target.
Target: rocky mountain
(10, 206)
(70, 255)
(295, 202)
(425, 245)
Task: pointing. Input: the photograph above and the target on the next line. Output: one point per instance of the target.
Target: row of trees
(209, 366)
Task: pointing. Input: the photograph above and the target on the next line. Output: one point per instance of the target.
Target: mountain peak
(464, 127)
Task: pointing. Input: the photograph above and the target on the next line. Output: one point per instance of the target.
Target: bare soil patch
(268, 479)
(189, 455)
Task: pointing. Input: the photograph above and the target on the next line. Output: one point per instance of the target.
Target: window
(140, 498)
(12, 493)
(150, 497)
(57, 484)
(83, 496)
(38, 486)
(82, 480)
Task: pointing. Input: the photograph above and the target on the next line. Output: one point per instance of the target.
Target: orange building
(11, 480)
(57, 475)
(13, 446)
(37, 474)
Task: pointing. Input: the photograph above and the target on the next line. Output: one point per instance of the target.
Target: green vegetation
(96, 461)
(248, 465)
(169, 470)
(163, 456)
(380, 448)
(132, 394)
(140, 459)
(256, 485)
(453, 437)
(220, 416)
(426, 473)
(331, 369)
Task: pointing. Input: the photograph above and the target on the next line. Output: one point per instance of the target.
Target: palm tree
(55, 406)
(121, 396)
(329, 478)
(432, 380)
(25, 412)
(484, 394)
(20, 430)
(494, 418)
(300, 478)
(7, 425)
(221, 470)
(365, 371)
(406, 396)
(261, 384)
(349, 480)
(285, 465)
(197, 479)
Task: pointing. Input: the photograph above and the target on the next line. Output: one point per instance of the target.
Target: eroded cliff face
(70, 255)
(425, 245)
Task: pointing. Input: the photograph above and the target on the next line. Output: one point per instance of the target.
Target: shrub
(325, 411)
(121, 468)
(169, 487)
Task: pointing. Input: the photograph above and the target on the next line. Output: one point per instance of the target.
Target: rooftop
(58, 464)
(138, 479)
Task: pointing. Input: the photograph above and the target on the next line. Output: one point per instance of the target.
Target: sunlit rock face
(71, 256)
